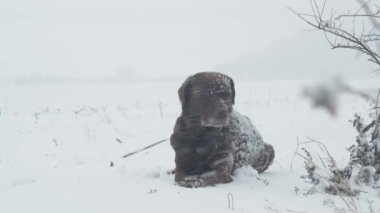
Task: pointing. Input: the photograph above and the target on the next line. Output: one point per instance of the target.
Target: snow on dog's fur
(211, 139)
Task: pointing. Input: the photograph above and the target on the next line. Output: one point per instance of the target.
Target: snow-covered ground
(57, 144)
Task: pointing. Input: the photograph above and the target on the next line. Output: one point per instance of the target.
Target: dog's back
(249, 144)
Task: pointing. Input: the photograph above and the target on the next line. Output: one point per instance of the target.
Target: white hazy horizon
(83, 39)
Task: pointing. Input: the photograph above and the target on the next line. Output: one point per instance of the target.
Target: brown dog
(210, 139)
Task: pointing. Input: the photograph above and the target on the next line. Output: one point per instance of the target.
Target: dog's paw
(207, 179)
(192, 182)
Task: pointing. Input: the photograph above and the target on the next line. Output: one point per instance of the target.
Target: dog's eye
(225, 95)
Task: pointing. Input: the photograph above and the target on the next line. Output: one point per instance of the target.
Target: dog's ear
(183, 92)
(233, 90)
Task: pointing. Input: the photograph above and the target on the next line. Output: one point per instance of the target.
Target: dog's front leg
(220, 170)
(220, 164)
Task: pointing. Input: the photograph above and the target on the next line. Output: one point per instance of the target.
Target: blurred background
(123, 40)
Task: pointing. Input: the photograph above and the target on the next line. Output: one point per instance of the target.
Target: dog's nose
(221, 113)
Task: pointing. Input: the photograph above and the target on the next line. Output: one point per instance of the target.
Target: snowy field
(57, 144)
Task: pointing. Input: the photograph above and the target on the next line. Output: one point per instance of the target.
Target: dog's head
(209, 97)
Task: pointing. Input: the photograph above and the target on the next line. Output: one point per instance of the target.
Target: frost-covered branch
(364, 39)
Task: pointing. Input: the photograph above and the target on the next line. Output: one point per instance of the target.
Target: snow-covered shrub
(363, 167)
(364, 164)
(323, 172)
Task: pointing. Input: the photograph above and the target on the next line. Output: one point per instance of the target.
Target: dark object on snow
(210, 139)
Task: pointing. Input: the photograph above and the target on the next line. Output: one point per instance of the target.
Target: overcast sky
(125, 38)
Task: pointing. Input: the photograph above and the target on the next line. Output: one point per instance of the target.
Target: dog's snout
(221, 110)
